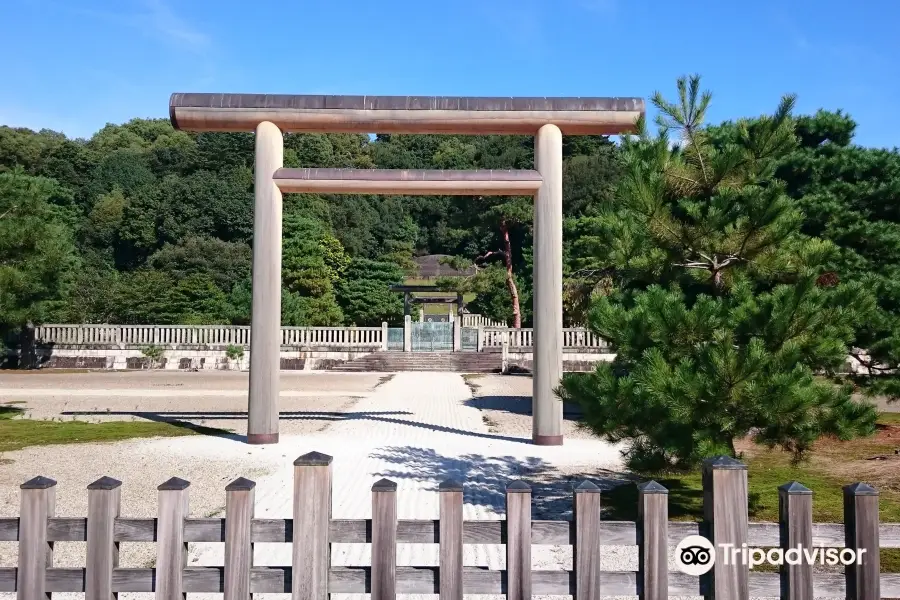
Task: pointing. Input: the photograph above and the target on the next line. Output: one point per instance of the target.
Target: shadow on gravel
(485, 478)
(517, 405)
(181, 418)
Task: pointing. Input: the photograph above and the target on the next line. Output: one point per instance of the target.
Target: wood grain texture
(104, 505)
(424, 580)
(384, 540)
(403, 114)
(587, 542)
(312, 516)
(614, 533)
(451, 541)
(239, 506)
(725, 510)
(171, 548)
(795, 514)
(37, 504)
(653, 536)
(518, 541)
(861, 534)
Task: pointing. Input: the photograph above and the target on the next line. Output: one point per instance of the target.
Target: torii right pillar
(546, 407)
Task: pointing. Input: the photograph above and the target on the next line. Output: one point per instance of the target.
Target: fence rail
(573, 337)
(207, 335)
(311, 531)
(474, 320)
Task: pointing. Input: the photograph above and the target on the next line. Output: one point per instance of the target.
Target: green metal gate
(468, 338)
(395, 338)
(432, 337)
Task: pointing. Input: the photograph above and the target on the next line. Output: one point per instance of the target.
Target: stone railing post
(407, 333)
(384, 335)
(457, 335)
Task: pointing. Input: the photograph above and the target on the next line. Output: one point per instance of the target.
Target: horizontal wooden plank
(613, 533)
(9, 529)
(67, 529)
(424, 580)
(135, 530)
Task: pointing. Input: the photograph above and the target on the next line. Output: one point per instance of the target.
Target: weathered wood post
(653, 540)
(587, 542)
(104, 506)
(861, 534)
(795, 531)
(450, 539)
(239, 501)
(384, 540)
(312, 518)
(518, 541)
(36, 505)
(725, 512)
(171, 549)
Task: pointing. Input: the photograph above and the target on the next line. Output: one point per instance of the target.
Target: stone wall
(184, 358)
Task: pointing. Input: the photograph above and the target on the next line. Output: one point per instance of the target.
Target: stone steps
(457, 362)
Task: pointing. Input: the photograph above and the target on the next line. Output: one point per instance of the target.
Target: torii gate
(548, 119)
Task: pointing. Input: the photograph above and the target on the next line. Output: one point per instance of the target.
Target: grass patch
(831, 465)
(16, 434)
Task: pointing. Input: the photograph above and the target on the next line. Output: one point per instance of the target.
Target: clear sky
(74, 65)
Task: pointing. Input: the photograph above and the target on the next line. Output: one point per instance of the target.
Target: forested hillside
(145, 224)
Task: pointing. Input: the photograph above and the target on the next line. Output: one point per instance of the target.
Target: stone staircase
(393, 362)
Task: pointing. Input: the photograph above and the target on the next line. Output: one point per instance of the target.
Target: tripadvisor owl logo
(696, 555)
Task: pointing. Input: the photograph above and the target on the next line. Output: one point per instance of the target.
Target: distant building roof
(431, 266)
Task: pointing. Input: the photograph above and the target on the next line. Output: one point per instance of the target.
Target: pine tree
(717, 305)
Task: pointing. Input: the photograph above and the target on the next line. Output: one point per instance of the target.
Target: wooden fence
(311, 531)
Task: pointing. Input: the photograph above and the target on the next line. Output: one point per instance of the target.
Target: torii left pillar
(265, 319)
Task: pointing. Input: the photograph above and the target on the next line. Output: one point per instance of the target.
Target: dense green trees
(721, 310)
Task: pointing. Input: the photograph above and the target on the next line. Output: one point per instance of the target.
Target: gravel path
(416, 429)
(505, 405)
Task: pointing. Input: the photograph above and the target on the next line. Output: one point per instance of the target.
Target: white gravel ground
(416, 429)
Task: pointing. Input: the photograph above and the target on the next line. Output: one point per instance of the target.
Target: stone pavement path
(417, 430)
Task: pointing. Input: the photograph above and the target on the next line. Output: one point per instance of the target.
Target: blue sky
(74, 65)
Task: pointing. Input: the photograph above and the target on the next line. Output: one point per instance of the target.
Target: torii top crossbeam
(404, 114)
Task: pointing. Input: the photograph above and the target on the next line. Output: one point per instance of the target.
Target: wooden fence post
(795, 531)
(311, 559)
(518, 541)
(36, 505)
(861, 534)
(450, 540)
(587, 542)
(653, 541)
(384, 540)
(239, 502)
(104, 505)
(725, 512)
(171, 549)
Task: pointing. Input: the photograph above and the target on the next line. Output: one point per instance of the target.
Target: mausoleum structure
(270, 116)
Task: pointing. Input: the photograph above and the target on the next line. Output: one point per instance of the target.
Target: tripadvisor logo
(695, 555)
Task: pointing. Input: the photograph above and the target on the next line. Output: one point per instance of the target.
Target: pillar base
(547, 440)
(262, 438)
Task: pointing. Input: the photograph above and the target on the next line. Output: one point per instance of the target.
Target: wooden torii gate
(547, 119)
